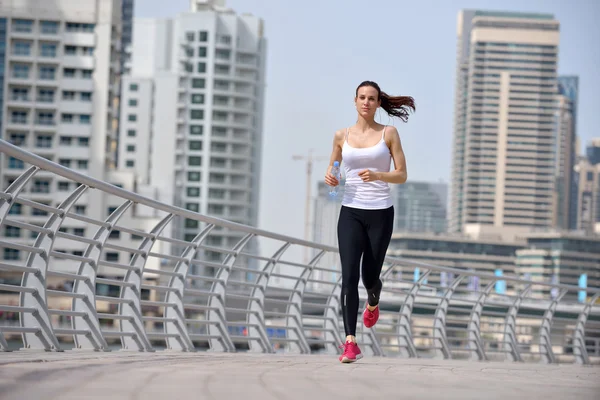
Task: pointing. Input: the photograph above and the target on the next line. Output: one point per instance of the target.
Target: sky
(319, 51)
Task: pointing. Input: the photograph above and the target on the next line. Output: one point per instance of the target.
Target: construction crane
(310, 158)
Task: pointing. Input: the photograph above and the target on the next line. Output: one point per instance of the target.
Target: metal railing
(145, 275)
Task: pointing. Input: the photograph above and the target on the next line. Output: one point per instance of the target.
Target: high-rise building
(420, 207)
(587, 184)
(504, 145)
(59, 81)
(192, 110)
(564, 183)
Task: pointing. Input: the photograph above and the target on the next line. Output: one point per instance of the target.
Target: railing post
(546, 352)
(439, 320)
(87, 288)
(579, 346)
(405, 339)
(6, 203)
(294, 323)
(217, 312)
(256, 318)
(331, 321)
(474, 330)
(37, 280)
(132, 293)
(182, 268)
(511, 344)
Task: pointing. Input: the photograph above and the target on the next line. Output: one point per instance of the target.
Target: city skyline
(320, 98)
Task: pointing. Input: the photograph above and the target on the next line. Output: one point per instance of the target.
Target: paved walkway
(173, 376)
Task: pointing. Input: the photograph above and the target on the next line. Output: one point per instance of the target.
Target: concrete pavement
(172, 376)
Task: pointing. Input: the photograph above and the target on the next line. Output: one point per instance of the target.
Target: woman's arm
(336, 155)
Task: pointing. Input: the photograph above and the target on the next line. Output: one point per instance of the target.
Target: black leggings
(365, 233)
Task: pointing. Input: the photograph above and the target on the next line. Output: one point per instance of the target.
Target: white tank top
(366, 195)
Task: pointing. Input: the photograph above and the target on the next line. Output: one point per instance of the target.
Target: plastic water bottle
(335, 171)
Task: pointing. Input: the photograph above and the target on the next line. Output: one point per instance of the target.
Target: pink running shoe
(370, 318)
(351, 352)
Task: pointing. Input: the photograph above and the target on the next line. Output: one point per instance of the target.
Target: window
(195, 145)
(77, 27)
(198, 98)
(197, 114)
(80, 210)
(198, 83)
(47, 73)
(65, 162)
(68, 95)
(87, 51)
(133, 102)
(132, 117)
(49, 27)
(12, 231)
(11, 254)
(131, 133)
(191, 223)
(85, 119)
(83, 141)
(41, 186)
(18, 117)
(201, 67)
(216, 194)
(45, 95)
(67, 118)
(196, 129)
(16, 209)
(136, 237)
(190, 36)
(133, 87)
(22, 25)
(195, 207)
(193, 192)
(194, 160)
(18, 139)
(223, 54)
(20, 94)
(130, 163)
(45, 118)
(20, 71)
(112, 257)
(21, 48)
(86, 96)
(64, 186)
(201, 51)
(70, 50)
(43, 141)
(203, 36)
(86, 73)
(14, 163)
(111, 210)
(39, 213)
(47, 49)
(79, 231)
(194, 176)
(114, 234)
(130, 148)
(69, 72)
(82, 164)
(65, 140)
(188, 237)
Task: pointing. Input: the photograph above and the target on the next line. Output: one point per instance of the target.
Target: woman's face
(367, 101)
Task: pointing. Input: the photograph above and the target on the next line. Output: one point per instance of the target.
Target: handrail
(176, 307)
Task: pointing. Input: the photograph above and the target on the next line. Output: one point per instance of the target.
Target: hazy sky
(318, 52)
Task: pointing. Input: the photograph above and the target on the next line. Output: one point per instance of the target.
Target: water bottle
(335, 171)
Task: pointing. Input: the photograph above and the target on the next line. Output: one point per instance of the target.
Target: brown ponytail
(395, 106)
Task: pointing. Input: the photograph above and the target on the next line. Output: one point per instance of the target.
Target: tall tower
(192, 113)
(504, 130)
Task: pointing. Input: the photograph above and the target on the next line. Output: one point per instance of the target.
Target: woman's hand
(330, 179)
(368, 176)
